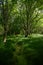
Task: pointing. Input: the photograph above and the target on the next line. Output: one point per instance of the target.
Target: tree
(7, 7)
(30, 7)
(5, 18)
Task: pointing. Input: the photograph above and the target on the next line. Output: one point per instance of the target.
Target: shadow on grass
(33, 50)
(7, 57)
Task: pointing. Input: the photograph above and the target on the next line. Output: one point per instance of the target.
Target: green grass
(22, 51)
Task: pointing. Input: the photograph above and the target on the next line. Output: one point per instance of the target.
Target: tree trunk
(5, 34)
(27, 23)
(5, 18)
(26, 33)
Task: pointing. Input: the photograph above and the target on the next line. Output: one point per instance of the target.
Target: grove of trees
(20, 18)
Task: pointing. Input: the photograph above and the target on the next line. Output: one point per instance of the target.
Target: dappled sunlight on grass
(36, 35)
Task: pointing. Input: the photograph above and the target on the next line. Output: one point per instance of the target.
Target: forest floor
(27, 50)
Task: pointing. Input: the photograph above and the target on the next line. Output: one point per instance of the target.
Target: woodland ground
(19, 50)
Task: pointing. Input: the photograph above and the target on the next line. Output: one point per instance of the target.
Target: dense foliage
(22, 51)
(21, 32)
